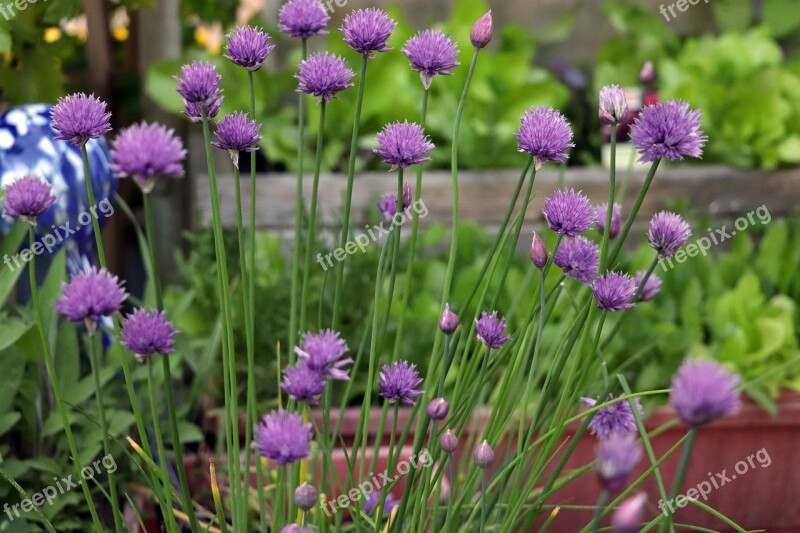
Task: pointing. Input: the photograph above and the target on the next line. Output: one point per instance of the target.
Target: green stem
(95, 362)
(98, 238)
(312, 219)
(251, 387)
(683, 466)
(162, 456)
(228, 352)
(601, 500)
(51, 369)
(298, 212)
(173, 421)
(634, 211)
(611, 194)
(484, 507)
(351, 172)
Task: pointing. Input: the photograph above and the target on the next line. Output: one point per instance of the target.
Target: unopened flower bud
(448, 321)
(305, 497)
(448, 441)
(438, 409)
(629, 515)
(481, 32)
(483, 455)
(538, 252)
(648, 73)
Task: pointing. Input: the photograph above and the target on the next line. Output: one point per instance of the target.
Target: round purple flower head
(545, 134)
(367, 30)
(283, 437)
(302, 383)
(78, 118)
(144, 151)
(431, 52)
(579, 258)
(303, 18)
(236, 133)
(248, 47)
(374, 497)
(27, 198)
(667, 233)
(668, 130)
(388, 203)
(651, 287)
(616, 219)
(90, 295)
(324, 75)
(491, 331)
(398, 381)
(614, 291)
(403, 144)
(616, 458)
(613, 107)
(568, 212)
(703, 391)
(614, 419)
(198, 84)
(147, 332)
(323, 352)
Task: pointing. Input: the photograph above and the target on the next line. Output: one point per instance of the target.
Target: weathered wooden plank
(716, 190)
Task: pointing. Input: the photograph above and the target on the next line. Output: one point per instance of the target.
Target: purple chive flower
(616, 458)
(538, 252)
(282, 437)
(374, 497)
(248, 47)
(388, 202)
(628, 517)
(615, 419)
(545, 134)
(302, 383)
(448, 441)
(90, 295)
(303, 18)
(367, 30)
(438, 408)
(324, 75)
(195, 112)
(448, 322)
(616, 219)
(568, 212)
(613, 107)
(491, 331)
(236, 133)
(305, 497)
(199, 84)
(614, 291)
(481, 32)
(144, 151)
(78, 118)
(398, 381)
(579, 258)
(651, 287)
(147, 332)
(27, 198)
(703, 391)
(483, 455)
(668, 130)
(667, 233)
(323, 352)
(431, 52)
(403, 144)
